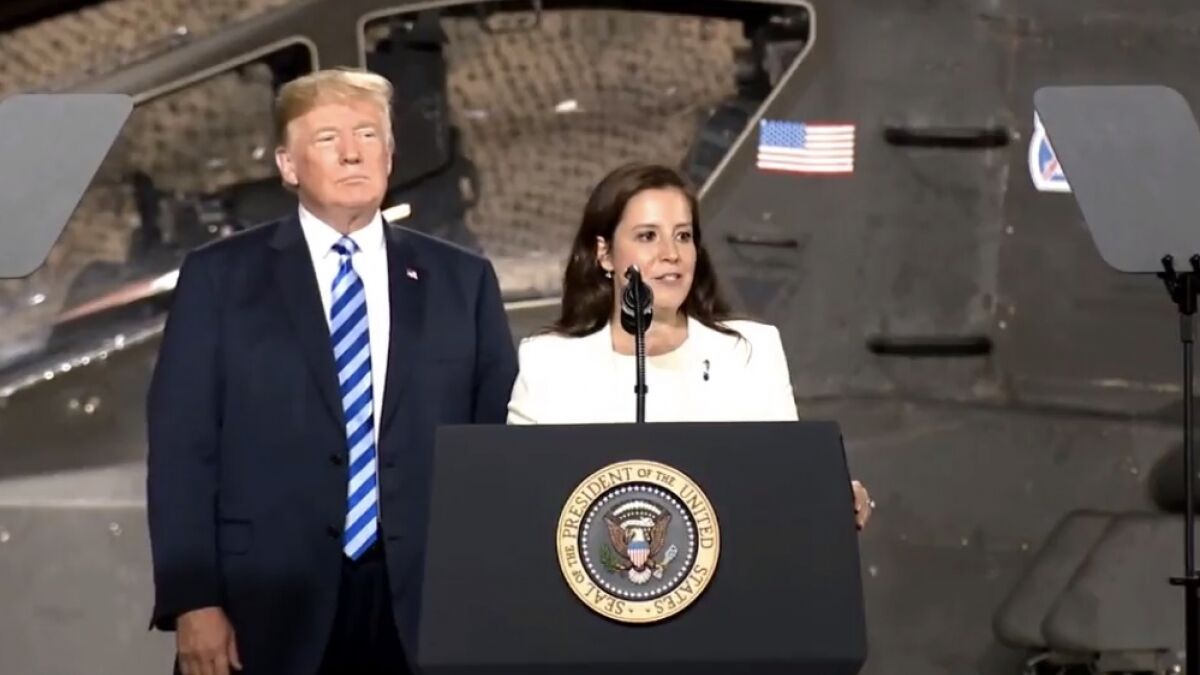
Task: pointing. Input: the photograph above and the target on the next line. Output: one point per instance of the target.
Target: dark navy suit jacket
(247, 458)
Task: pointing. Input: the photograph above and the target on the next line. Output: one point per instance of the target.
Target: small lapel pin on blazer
(412, 274)
(706, 370)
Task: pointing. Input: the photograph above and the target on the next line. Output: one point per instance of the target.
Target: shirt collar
(321, 236)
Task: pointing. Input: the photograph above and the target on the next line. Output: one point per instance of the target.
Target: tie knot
(345, 247)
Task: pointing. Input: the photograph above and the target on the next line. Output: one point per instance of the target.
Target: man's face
(338, 156)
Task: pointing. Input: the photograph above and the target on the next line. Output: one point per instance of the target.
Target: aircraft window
(507, 114)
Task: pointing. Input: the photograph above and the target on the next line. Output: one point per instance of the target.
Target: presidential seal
(638, 541)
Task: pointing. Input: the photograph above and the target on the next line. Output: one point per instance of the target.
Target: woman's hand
(863, 504)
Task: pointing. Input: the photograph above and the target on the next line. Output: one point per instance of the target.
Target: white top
(565, 380)
(371, 265)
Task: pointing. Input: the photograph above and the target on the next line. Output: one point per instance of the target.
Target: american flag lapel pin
(412, 274)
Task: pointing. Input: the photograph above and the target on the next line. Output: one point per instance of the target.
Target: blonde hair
(306, 92)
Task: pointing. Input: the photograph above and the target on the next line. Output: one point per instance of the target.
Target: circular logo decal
(638, 541)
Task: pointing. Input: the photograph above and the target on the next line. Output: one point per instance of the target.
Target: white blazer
(711, 377)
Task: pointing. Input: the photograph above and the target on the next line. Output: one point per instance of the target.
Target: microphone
(636, 293)
(637, 303)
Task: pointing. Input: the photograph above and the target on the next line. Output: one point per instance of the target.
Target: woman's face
(655, 233)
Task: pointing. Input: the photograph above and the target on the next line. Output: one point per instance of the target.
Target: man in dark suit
(304, 369)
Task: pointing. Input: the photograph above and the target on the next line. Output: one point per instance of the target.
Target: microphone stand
(636, 315)
(1183, 288)
(639, 341)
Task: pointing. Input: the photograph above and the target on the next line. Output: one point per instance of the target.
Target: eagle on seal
(638, 544)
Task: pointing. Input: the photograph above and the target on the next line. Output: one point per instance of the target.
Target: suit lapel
(297, 284)
(406, 295)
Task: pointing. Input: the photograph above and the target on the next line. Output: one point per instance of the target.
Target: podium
(695, 548)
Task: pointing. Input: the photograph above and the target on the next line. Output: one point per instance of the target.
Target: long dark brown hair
(587, 301)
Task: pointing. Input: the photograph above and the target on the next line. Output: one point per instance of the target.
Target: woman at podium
(702, 363)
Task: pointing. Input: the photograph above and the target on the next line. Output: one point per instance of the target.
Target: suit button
(332, 531)
(335, 460)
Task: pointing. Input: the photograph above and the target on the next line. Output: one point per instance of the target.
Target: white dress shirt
(371, 265)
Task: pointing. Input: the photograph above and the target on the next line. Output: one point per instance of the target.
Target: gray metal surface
(1018, 621)
(74, 549)
(863, 264)
(1120, 598)
(74, 583)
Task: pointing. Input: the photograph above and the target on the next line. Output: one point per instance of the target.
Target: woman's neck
(664, 336)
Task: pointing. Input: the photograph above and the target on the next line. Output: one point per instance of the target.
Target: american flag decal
(798, 147)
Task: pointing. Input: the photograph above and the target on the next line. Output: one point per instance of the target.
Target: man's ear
(287, 168)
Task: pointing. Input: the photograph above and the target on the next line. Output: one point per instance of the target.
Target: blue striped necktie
(352, 352)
